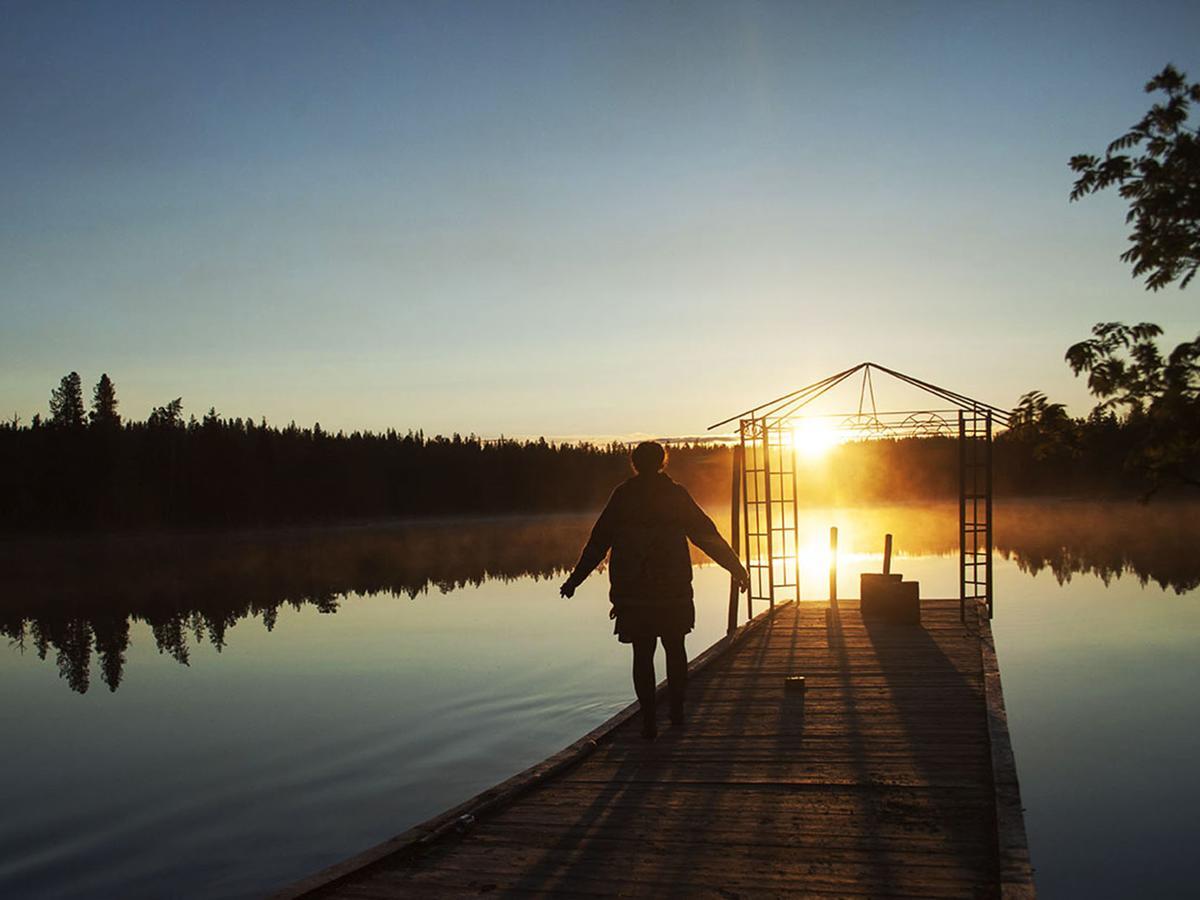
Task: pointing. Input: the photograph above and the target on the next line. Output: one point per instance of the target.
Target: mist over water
(213, 715)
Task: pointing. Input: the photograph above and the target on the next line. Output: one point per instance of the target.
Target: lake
(216, 715)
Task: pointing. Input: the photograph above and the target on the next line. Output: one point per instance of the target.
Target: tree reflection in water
(78, 598)
(1154, 542)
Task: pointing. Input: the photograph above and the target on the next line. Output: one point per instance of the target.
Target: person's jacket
(647, 524)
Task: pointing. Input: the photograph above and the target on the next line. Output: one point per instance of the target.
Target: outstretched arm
(703, 533)
(594, 550)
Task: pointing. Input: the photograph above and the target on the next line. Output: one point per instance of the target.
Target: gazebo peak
(791, 403)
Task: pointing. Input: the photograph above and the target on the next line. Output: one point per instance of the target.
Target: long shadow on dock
(882, 865)
(639, 763)
(940, 718)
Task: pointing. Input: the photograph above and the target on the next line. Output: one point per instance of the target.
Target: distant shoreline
(281, 530)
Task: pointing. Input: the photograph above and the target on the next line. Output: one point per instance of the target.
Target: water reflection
(76, 600)
(1152, 542)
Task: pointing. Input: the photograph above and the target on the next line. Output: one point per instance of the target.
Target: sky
(562, 219)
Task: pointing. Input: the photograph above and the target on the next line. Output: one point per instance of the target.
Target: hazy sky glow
(561, 218)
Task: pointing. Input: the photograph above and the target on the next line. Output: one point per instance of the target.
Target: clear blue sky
(560, 218)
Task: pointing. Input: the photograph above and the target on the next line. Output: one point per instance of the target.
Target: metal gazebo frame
(764, 490)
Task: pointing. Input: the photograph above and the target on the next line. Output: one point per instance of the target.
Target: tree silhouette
(104, 404)
(169, 416)
(1162, 183)
(1161, 396)
(1044, 426)
(66, 402)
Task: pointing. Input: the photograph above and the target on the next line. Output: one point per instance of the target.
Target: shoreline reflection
(77, 599)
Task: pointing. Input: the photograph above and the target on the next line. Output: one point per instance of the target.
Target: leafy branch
(1161, 183)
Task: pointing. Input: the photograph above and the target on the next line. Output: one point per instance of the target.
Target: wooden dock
(891, 774)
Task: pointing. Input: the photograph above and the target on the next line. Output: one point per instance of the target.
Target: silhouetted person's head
(648, 457)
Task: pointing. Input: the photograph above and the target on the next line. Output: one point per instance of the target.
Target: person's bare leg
(677, 673)
(644, 682)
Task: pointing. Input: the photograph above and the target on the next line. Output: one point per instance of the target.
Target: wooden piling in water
(833, 549)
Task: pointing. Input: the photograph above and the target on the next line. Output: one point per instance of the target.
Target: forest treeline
(82, 469)
(86, 469)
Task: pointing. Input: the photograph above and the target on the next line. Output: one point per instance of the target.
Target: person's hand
(743, 581)
(567, 590)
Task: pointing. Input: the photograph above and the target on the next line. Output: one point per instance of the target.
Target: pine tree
(169, 416)
(66, 402)
(104, 404)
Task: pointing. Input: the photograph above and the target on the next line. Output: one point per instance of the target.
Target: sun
(814, 438)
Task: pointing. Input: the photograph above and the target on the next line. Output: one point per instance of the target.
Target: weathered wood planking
(891, 775)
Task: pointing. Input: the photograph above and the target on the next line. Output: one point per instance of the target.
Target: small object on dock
(464, 822)
(889, 599)
(887, 554)
(793, 683)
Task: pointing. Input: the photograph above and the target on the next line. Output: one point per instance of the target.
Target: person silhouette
(646, 524)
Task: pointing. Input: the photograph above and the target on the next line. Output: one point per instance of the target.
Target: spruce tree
(66, 402)
(104, 404)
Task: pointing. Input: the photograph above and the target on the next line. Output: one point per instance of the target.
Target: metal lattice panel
(975, 507)
(770, 510)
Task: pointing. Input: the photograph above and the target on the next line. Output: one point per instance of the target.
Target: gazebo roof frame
(789, 405)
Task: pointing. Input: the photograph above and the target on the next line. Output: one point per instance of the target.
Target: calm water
(213, 717)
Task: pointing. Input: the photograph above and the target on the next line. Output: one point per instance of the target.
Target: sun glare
(814, 438)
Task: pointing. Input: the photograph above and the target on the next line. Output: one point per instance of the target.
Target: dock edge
(1016, 869)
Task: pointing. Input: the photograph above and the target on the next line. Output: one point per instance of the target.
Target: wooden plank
(794, 829)
(684, 876)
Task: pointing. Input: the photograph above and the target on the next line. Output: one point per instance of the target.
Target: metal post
(795, 517)
(962, 517)
(746, 523)
(988, 483)
(734, 540)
